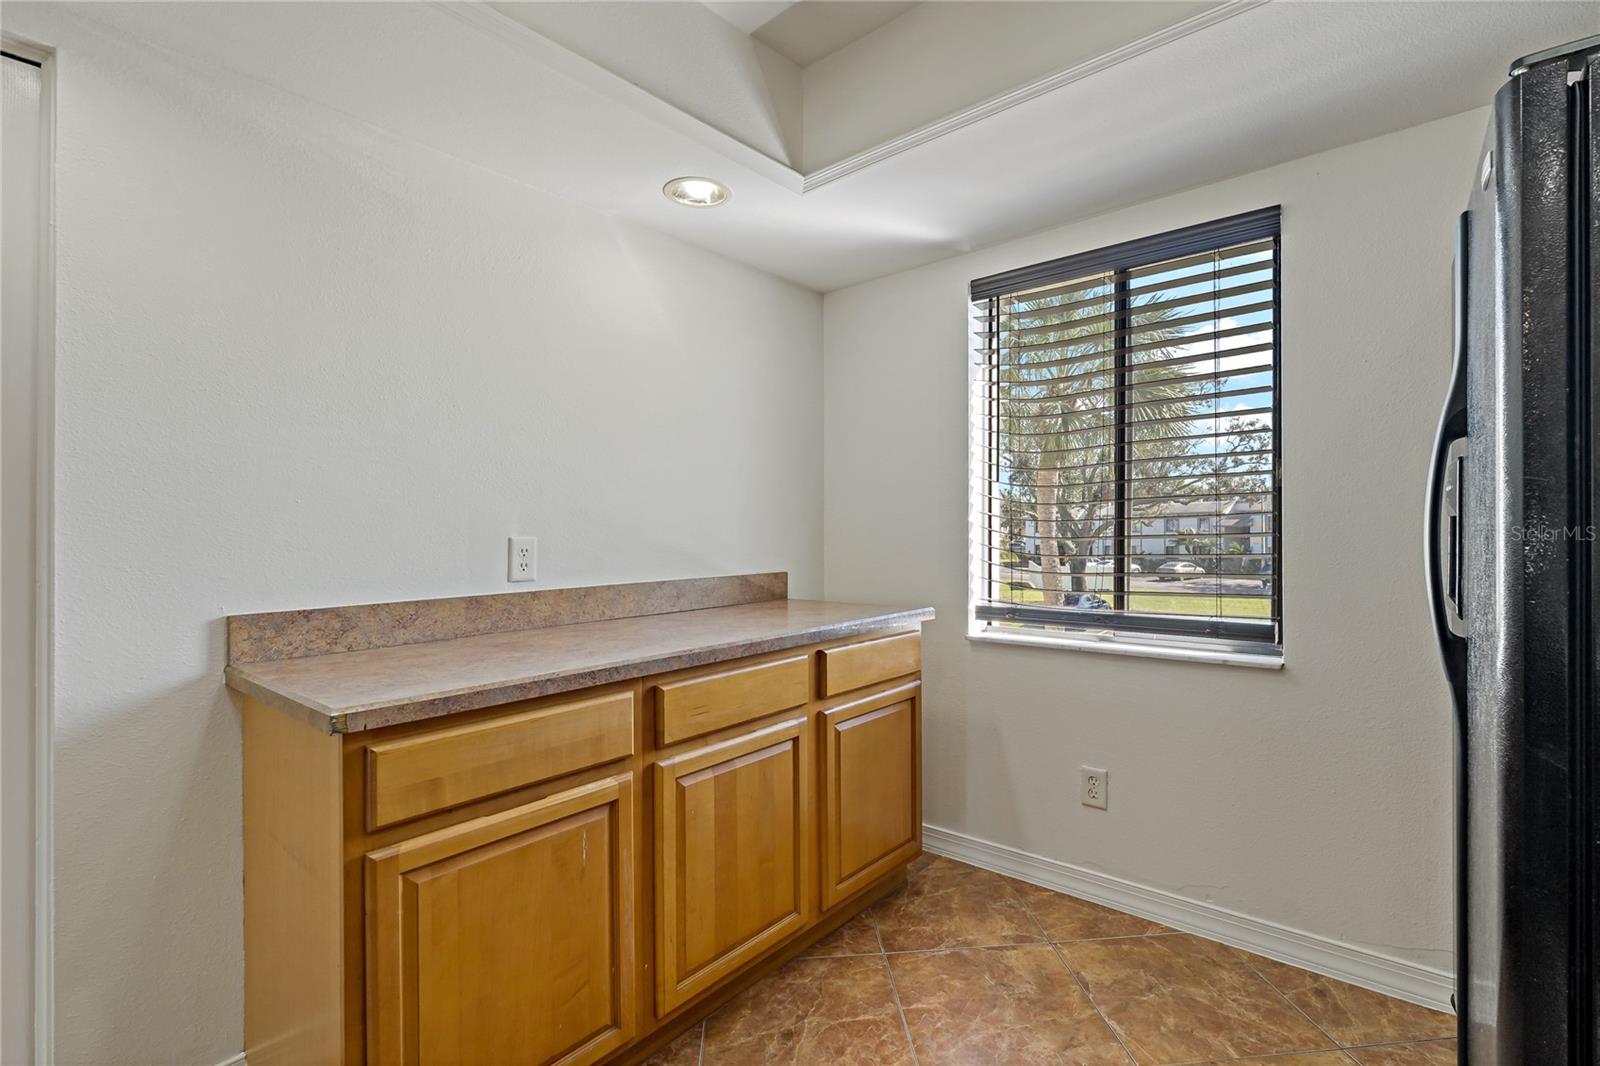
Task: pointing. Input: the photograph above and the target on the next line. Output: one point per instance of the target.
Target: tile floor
(964, 966)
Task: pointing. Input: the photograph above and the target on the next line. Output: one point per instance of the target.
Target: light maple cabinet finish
(694, 706)
(508, 938)
(416, 775)
(853, 666)
(571, 879)
(871, 789)
(734, 840)
(294, 911)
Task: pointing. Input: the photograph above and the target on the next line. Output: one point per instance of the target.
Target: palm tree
(1058, 385)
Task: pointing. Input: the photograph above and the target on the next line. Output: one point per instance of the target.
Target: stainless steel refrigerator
(1511, 558)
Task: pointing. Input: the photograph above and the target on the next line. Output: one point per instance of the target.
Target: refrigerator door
(1443, 562)
(1586, 286)
(1526, 980)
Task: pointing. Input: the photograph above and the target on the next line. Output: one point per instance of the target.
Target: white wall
(300, 363)
(1319, 797)
(21, 212)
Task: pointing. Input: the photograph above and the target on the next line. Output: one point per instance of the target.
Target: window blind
(1126, 439)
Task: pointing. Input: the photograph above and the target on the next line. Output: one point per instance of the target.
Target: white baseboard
(237, 1060)
(1359, 966)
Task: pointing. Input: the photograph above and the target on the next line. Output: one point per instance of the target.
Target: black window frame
(1241, 634)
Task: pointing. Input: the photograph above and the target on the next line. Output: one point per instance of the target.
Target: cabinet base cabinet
(734, 839)
(571, 879)
(508, 938)
(872, 789)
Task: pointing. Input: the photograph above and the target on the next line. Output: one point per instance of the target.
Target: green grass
(1012, 595)
(1179, 603)
(1168, 602)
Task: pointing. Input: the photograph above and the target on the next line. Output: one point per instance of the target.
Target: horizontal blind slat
(1106, 336)
(1144, 347)
(981, 308)
(1014, 330)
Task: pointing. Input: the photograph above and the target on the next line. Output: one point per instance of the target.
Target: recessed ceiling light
(696, 192)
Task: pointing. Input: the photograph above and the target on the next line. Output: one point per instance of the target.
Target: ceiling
(810, 30)
(608, 100)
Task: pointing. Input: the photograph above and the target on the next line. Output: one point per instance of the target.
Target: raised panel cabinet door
(871, 789)
(508, 939)
(735, 836)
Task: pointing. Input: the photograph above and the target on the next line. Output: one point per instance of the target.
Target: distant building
(1236, 527)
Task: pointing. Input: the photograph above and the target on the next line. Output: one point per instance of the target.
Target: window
(1125, 452)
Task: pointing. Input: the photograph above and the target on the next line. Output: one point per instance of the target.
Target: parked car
(1108, 566)
(1178, 570)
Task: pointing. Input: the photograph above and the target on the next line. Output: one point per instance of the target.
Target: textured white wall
(1318, 797)
(22, 199)
(303, 364)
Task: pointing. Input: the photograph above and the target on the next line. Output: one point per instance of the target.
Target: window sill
(1123, 646)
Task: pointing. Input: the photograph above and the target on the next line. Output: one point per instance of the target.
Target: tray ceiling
(1230, 89)
(815, 29)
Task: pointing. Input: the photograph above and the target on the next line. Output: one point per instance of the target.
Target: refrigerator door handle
(1446, 570)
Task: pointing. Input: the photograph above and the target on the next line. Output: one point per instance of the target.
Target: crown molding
(586, 72)
(1023, 93)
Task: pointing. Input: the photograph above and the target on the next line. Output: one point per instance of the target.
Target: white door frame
(42, 857)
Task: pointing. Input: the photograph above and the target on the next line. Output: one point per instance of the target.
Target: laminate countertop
(351, 691)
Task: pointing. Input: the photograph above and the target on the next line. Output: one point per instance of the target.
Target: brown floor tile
(1354, 1015)
(1066, 917)
(1183, 999)
(684, 1051)
(858, 936)
(1311, 1058)
(950, 904)
(1000, 1006)
(1433, 1053)
(838, 1011)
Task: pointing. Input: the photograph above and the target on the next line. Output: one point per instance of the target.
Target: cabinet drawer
(700, 705)
(416, 775)
(857, 665)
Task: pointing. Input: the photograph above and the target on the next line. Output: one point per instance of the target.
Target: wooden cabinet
(733, 846)
(871, 788)
(441, 768)
(508, 938)
(703, 703)
(866, 662)
(573, 878)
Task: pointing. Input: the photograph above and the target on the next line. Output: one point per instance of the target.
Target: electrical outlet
(522, 558)
(1095, 784)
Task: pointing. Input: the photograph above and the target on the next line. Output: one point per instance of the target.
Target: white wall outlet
(522, 558)
(1095, 784)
